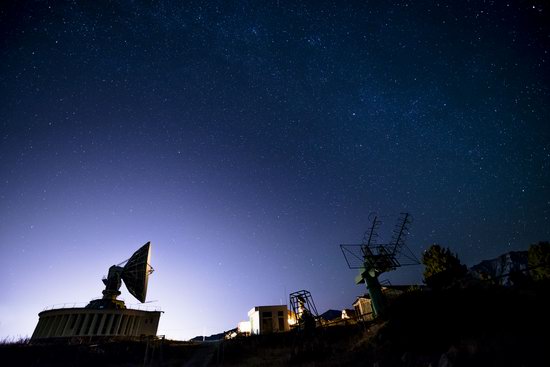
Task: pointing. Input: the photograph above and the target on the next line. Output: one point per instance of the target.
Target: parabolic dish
(136, 272)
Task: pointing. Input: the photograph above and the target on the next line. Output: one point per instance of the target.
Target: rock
(499, 269)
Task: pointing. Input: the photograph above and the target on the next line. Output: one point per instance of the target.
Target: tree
(443, 268)
(538, 257)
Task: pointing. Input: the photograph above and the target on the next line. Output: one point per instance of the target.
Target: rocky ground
(121, 354)
(466, 327)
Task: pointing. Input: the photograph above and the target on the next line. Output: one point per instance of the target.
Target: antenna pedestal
(108, 301)
(378, 301)
(110, 294)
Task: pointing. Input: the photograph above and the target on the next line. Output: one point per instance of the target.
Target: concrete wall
(82, 322)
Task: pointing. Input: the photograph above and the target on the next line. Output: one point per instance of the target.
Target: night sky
(247, 140)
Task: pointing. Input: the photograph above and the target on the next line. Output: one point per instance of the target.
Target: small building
(348, 314)
(363, 308)
(243, 328)
(231, 334)
(268, 319)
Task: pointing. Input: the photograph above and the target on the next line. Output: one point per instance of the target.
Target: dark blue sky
(247, 140)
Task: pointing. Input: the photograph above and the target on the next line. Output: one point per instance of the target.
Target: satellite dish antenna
(134, 272)
(107, 317)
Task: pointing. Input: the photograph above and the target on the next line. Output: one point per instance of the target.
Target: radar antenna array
(400, 232)
(373, 259)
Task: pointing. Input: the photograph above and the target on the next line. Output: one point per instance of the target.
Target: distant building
(268, 319)
(348, 314)
(231, 334)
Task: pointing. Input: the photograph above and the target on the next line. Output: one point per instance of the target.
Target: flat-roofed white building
(268, 319)
(243, 328)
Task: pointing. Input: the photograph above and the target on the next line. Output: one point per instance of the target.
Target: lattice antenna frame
(372, 260)
(353, 254)
(400, 232)
(381, 257)
(371, 236)
(302, 303)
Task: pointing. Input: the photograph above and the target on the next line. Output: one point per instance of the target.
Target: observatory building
(106, 317)
(268, 319)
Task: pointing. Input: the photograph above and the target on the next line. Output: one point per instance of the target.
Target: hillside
(460, 327)
(478, 326)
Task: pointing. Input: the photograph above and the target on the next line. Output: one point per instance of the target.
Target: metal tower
(304, 308)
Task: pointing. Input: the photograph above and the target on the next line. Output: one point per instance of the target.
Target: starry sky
(248, 139)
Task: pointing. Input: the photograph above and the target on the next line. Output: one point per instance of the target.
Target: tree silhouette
(442, 267)
(538, 257)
